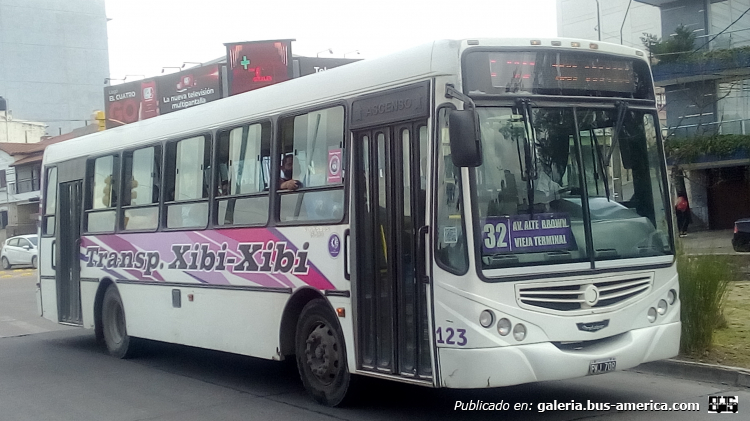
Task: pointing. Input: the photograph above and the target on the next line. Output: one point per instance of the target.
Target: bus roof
(418, 63)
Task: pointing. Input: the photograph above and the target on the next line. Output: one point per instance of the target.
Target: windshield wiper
(622, 108)
(529, 173)
(602, 165)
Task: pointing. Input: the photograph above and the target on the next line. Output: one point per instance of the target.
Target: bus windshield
(570, 184)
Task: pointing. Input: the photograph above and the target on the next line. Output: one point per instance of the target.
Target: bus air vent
(583, 295)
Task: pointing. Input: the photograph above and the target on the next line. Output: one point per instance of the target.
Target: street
(54, 372)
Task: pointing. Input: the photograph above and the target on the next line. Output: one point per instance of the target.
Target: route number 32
(496, 235)
(459, 334)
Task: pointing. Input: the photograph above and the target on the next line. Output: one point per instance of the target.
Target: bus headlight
(519, 332)
(486, 318)
(661, 307)
(671, 296)
(503, 327)
(651, 315)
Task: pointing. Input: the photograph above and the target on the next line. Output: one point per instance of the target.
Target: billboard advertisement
(253, 65)
(189, 88)
(141, 100)
(123, 102)
(311, 65)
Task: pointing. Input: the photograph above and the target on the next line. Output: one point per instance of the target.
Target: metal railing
(738, 126)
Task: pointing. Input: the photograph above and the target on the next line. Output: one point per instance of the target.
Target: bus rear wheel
(119, 343)
(321, 354)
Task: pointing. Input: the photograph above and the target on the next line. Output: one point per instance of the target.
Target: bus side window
(185, 181)
(50, 202)
(140, 201)
(242, 172)
(315, 140)
(101, 197)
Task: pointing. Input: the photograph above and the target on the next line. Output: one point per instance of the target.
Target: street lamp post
(625, 18)
(598, 21)
(329, 50)
(4, 109)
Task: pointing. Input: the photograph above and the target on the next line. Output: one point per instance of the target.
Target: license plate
(602, 366)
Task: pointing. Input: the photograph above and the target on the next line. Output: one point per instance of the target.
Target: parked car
(741, 239)
(19, 250)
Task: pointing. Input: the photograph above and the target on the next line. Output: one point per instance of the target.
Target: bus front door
(68, 271)
(392, 322)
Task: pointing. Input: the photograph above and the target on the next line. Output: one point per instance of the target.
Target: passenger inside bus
(289, 167)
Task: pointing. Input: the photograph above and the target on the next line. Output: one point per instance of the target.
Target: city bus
(468, 213)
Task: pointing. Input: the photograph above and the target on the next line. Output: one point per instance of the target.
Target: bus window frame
(121, 208)
(88, 186)
(53, 215)
(215, 200)
(209, 138)
(276, 147)
(434, 209)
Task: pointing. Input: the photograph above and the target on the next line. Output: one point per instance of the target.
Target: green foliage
(703, 285)
(679, 46)
(687, 150)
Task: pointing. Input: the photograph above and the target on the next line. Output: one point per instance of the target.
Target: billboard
(256, 64)
(123, 103)
(310, 65)
(189, 88)
(130, 102)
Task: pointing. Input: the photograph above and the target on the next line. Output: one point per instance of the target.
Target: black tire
(119, 343)
(34, 262)
(321, 354)
(6, 263)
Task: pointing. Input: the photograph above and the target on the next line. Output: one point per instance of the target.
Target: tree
(680, 45)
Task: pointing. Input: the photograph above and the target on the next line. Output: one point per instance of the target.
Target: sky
(147, 35)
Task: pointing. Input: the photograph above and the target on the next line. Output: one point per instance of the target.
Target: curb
(732, 376)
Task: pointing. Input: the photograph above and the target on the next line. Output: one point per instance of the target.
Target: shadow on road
(376, 399)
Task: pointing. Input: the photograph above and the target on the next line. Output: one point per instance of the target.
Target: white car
(19, 250)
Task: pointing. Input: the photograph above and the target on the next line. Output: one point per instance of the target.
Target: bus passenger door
(68, 268)
(392, 322)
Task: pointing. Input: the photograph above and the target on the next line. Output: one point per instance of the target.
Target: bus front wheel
(119, 343)
(321, 354)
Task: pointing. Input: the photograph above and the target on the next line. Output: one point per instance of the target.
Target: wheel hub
(321, 353)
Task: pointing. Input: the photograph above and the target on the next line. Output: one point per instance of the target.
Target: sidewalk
(700, 372)
(709, 242)
(705, 242)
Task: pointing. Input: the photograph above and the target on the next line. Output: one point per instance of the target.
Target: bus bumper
(505, 366)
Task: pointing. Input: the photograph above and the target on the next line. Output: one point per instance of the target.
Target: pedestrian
(682, 211)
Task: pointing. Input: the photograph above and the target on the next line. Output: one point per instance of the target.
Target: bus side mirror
(466, 146)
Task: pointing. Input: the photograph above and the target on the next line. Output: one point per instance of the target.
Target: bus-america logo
(271, 257)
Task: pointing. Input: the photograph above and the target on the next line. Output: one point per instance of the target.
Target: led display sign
(253, 65)
(556, 73)
(521, 71)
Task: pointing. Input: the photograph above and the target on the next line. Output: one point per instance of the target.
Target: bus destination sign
(525, 70)
(527, 233)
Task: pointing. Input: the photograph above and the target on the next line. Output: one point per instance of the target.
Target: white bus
(464, 214)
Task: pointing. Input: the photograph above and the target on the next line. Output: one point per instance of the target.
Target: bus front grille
(583, 295)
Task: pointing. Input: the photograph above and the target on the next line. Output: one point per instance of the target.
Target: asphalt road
(52, 372)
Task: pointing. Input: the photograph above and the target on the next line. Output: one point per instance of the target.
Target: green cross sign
(245, 62)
